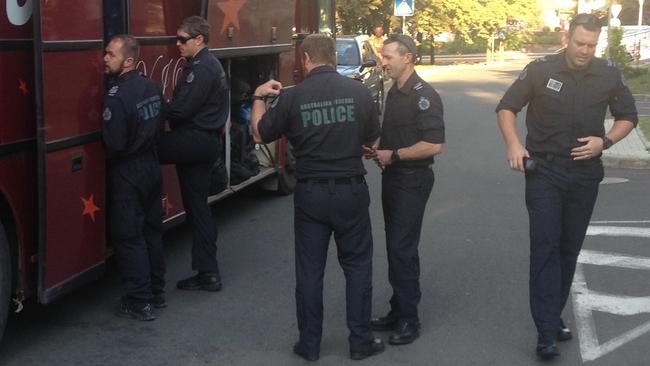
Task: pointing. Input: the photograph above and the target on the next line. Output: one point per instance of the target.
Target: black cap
(405, 40)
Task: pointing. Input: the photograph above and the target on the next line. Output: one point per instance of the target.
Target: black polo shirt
(200, 98)
(565, 104)
(327, 118)
(413, 113)
(132, 116)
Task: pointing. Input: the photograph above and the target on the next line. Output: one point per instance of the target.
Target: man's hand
(383, 157)
(270, 88)
(515, 155)
(593, 146)
(369, 152)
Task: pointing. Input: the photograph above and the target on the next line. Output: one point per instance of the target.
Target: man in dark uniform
(413, 133)
(197, 114)
(132, 120)
(326, 118)
(567, 96)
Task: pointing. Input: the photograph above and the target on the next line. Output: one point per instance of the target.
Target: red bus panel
(160, 17)
(246, 23)
(71, 161)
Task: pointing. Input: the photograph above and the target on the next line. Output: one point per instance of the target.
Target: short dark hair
(588, 21)
(405, 44)
(130, 46)
(321, 48)
(195, 26)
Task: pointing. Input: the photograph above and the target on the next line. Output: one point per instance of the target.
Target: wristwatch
(257, 97)
(394, 157)
(607, 143)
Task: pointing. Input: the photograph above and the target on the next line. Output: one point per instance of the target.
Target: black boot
(206, 281)
(405, 333)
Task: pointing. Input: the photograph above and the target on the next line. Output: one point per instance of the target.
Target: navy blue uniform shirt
(133, 116)
(565, 104)
(200, 98)
(413, 113)
(327, 118)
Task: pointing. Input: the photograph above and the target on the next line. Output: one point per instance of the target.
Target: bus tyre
(5, 280)
(287, 174)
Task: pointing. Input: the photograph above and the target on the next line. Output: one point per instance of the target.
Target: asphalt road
(474, 254)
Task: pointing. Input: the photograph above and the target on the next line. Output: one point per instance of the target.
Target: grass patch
(644, 124)
(640, 83)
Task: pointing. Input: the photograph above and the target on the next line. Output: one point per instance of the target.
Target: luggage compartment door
(71, 163)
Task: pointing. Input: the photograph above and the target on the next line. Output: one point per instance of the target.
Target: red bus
(52, 163)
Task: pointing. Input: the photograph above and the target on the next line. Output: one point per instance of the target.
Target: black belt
(564, 161)
(345, 180)
(406, 169)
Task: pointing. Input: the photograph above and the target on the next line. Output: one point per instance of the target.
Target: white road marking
(639, 232)
(613, 260)
(621, 222)
(585, 302)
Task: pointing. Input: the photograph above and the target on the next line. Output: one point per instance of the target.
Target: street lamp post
(640, 13)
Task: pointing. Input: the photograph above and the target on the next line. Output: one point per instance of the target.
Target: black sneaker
(547, 351)
(564, 334)
(384, 323)
(300, 351)
(203, 281)
(138, 311)
(374, 348)
(158, 301)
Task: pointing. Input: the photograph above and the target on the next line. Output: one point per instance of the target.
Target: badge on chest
(554, 85)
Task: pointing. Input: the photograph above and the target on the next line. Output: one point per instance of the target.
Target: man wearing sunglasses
(197, 114)
(413, 132)
(567, 96)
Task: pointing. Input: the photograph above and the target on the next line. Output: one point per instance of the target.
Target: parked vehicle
(357, 59)
(52, 164)
(636, 40)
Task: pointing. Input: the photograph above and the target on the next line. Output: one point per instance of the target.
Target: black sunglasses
(184, 39)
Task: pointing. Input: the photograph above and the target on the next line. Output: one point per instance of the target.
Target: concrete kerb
(629, 153)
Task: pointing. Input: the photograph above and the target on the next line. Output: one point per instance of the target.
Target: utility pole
(640, 13)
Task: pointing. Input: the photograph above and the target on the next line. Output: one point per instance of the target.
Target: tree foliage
(470, 20)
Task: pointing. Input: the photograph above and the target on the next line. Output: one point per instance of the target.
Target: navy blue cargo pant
(339, 206)
(404, 194)
(560, 200)
(194, 152)
(134, 189)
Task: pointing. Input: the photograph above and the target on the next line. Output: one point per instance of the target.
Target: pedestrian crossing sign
(404, 8)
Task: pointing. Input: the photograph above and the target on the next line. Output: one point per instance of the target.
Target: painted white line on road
(639, 232)
(622, 222)
(613, 260)
(585, 302)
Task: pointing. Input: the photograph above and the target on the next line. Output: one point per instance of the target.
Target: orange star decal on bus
(22, 86)
(89, 207)
(230, 9)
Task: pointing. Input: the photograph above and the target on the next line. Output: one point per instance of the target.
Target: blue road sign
(404, 8)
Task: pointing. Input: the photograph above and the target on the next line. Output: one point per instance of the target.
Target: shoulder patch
(611, 63)
(523, 74)
(541, 59)
(107, 115)
(418, 86)
(113, 91)
(196, 62)
(190, 77)
(424, 104)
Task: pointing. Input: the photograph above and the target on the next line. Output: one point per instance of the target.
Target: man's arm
(270, 88)
(594, 145)
(515, 151)
(421, 150)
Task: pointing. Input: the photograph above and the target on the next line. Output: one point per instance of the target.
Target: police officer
(132, 120)
(413, 133)
(567, 96)
(327, 118)
(197, 114)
